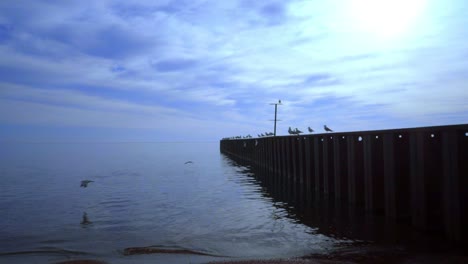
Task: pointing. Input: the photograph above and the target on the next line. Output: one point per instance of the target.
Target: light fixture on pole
(276, 111)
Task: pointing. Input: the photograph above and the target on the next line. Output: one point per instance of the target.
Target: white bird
(84, 183)
(310, 129)
(327, 128)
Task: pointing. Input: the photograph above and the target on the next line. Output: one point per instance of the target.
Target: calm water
(143, 195)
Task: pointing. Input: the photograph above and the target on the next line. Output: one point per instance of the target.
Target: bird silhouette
(290, 131)
(327, 128)
(188, 162)
(85, 221)
(84, 183)
(310, 129)
(297, 131)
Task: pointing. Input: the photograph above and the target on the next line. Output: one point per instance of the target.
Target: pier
(416, 176)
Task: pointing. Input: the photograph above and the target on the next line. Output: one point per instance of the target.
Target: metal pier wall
(417, 176)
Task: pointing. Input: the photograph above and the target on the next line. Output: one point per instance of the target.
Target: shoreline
(347, 256)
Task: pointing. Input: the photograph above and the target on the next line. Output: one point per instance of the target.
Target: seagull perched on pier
(310, 129)
(327, 128)
(297, 131)
(84, 183)
(290, 131)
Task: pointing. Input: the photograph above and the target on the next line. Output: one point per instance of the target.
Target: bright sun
(385, 18)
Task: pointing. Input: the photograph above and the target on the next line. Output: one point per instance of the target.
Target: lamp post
(276, 111)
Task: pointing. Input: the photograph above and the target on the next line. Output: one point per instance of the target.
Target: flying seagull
(310, 129)
(187, 162)
(327, 128)
(84, 183)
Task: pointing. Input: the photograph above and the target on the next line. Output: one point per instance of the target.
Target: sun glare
(385, 18)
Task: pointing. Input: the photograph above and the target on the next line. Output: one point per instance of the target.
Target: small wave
(53, 241)
(164, 250)
(44, 251)
(81, 261)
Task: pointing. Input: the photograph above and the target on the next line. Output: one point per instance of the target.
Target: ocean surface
(144, 194)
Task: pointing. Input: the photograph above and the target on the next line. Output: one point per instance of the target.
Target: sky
(201, 70)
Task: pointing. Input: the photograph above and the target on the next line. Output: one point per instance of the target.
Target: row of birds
(295, 131)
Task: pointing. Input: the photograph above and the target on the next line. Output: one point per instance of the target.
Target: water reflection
(335, 219)
(85, 220)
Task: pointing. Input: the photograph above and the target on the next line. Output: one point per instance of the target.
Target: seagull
(188, 162)
(310, 129)
(327, 128)
(85, 220)
(297, 131)
(290, 131)
(84, 183)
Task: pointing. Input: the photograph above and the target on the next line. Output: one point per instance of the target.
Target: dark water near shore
(144, 195)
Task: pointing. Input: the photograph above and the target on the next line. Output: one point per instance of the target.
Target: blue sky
(205, 69)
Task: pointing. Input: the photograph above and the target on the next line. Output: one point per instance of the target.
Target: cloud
(226, 61)
(75, 99)
(275, 13)
(112, 42)
(22, 105)
(87, 29)
(175, 65)
(5, 32)
(264, 13)
(320, 79)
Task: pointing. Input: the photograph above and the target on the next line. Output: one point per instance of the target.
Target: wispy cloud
(175, 65)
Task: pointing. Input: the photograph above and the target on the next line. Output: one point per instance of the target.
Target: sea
(166, 195)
